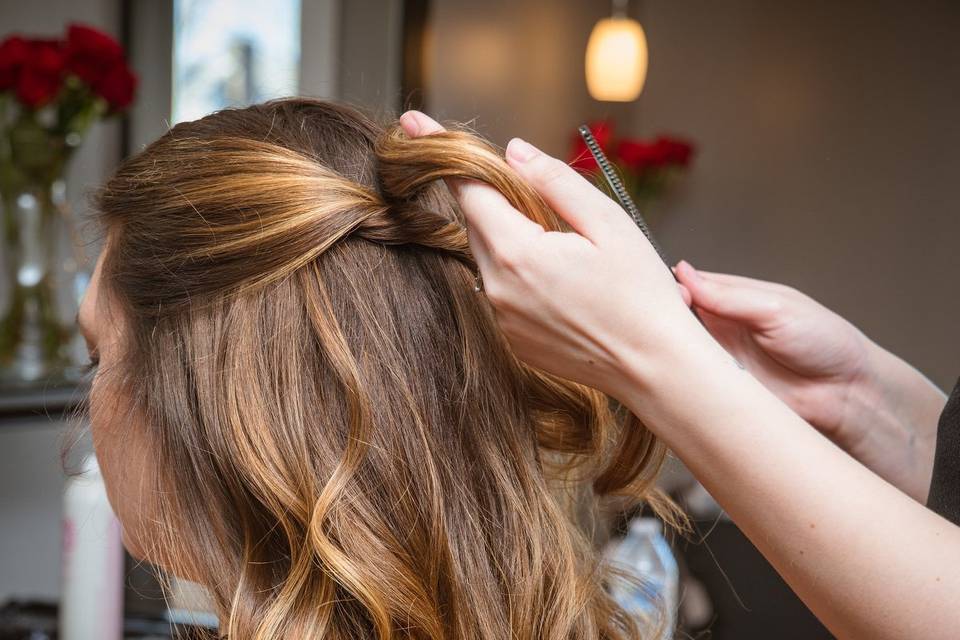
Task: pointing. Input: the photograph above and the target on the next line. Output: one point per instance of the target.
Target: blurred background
(811, 143)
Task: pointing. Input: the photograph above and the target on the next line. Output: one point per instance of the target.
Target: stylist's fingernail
(521, 150)
(410, 124)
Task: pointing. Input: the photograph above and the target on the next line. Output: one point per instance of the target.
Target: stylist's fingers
(685, 294)
(742, 281)
(416, 124)
(586, 208)
(489, 214)
(567, 192)
(755, 307)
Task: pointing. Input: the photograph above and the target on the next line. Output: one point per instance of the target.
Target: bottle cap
(646, 526)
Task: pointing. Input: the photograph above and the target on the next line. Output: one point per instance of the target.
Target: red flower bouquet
(646, 167)
(51, 92)
(87, 65)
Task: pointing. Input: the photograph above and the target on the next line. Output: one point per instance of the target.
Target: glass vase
(40, 286)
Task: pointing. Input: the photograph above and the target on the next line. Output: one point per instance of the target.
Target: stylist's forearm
(894, 408)
(821, 518)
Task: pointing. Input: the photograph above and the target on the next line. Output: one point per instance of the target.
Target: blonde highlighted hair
(346, 446)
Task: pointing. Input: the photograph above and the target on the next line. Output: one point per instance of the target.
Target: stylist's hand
(872, 404)
(598, 306)
(803, 352)
(585, 305)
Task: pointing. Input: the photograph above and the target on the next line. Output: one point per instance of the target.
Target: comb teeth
(626, 201)
(617, 186)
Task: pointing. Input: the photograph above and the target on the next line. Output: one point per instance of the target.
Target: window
(233, 53)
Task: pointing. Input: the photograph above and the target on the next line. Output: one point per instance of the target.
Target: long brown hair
(346, 446)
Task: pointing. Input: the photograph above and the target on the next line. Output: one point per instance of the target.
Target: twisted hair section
(345, 445)
(409, 165)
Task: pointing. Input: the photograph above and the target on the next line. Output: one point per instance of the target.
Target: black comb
(616, 185)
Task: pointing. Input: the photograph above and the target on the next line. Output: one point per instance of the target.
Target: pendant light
(616, 64)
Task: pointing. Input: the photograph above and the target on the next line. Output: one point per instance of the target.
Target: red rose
(683, 152)
(40, 76)
(46, 56)
(35, 89)
(580, 157)
(662, 152)
(638, 155)
(673, 151)
(91, 54)
(14, 51)
(117, 86)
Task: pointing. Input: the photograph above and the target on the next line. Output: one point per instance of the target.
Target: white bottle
(645, 553)
(91, 595)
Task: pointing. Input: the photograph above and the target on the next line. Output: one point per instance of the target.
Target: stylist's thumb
(742, 300)
(588, 211)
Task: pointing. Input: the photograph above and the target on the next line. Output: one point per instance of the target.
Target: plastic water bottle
(645, 554)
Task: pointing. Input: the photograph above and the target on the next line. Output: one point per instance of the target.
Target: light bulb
(616, 63)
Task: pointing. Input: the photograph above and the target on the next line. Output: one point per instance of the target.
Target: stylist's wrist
(659, 373)
(890, 421)
(888, 389)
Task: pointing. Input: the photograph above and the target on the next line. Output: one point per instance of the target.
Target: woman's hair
(346, 446)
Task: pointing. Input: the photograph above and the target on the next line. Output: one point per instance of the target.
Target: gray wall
(369, 54)
(320, 48)
(827, 135)
(516, 67)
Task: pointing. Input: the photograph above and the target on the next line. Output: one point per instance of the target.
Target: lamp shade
(616, 60)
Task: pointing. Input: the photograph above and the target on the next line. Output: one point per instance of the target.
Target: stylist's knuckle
(799, 298)
(777, 306)
(496, 254)
(786, 291)
(510, 257)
